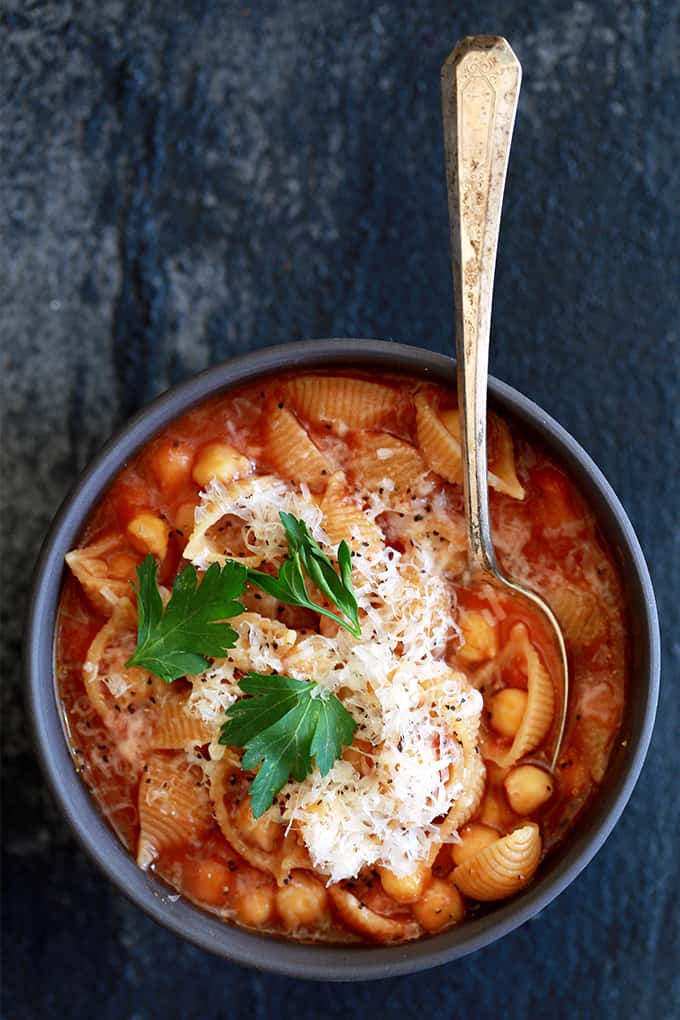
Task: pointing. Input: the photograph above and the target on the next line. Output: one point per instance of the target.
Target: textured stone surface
(184, 181)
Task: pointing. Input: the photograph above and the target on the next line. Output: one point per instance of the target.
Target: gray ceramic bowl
(296, 959)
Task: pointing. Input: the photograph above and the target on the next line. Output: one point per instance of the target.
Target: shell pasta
(441, 801)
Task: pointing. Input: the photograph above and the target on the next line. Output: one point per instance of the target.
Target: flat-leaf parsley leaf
(285, 726)
(306, 557)
(173, 641)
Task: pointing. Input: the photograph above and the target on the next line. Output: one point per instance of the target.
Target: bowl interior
(266, 952)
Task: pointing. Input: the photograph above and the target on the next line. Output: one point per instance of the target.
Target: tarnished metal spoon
(480, 84)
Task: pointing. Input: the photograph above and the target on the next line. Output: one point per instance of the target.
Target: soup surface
(441, 798)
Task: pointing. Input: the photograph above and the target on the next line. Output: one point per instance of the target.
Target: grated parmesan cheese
(257, 502)
(415, 712)
(212, 692)
(118, 682)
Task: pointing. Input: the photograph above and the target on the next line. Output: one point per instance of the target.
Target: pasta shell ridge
(475, 783)
(175, 728)
(219, 501)
(279, 862)
(540, 707)
(88, 565)
(173, 806)
(110, 649)
(344, 519)
(440, 441)
(261, 642)
(465, 807)
(502, 469)
(380, 455)
(291, 451)
(367, 922)
(503, 868)
(355, 403)
(440, 448)
(579, 613)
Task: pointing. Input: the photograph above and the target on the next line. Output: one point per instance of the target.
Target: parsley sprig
(306, 557)
(174, 640)
(285, 726)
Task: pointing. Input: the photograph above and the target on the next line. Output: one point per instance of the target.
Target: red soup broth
(548, 540)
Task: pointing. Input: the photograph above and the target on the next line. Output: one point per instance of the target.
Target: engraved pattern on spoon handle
(480, 84)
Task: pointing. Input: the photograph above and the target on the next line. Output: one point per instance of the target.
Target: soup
(364, 754)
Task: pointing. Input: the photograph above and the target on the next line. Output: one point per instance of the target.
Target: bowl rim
(298, 959)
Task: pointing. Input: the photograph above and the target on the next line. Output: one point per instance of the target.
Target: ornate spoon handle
(480, 89)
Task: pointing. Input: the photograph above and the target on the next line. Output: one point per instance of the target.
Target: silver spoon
(480, 84)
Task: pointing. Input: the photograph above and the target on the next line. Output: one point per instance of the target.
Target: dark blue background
(187, 180)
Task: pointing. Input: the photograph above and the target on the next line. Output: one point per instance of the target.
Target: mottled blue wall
(186, 180)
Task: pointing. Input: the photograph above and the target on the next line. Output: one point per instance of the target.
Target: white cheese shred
(415, 715)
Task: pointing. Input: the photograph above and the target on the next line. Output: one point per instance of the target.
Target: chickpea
(302, 903)
(474, 837)
(528, 788)
(479, 638)
(149, 534)
(220, 461)
(507, 708)
(261, 832)
(440, 905)
(171, 464)
(254, 902)
(407, 889)
(208, 880)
